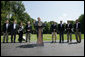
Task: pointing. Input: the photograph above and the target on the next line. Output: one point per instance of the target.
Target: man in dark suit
(39, 29)
(28, 31)
(14, 29)
(6, 31)
(61, 31)
(69, 31)
(77, 30)
(53, 29)
(36, 24)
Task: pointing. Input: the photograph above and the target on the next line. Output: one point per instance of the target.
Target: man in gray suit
(69, 31)
(28, 31)
(77, 28)
(6, 31)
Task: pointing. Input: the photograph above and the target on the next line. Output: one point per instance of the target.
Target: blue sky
(54, 10)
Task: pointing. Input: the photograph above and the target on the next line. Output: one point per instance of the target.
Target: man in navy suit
(14, 29)
(61, 31)
(6, 31)
(77, 29)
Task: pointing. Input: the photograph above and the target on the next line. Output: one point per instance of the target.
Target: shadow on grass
(27, 46)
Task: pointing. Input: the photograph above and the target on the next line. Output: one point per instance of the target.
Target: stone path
(49, 49)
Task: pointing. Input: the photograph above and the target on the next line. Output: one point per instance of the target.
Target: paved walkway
(49, 49)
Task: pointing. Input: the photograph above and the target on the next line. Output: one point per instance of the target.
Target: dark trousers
(61, 37)
(13, 34)
(20, 36)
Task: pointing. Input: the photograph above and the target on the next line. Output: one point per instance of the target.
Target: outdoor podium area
(49, 49)
(34, 23)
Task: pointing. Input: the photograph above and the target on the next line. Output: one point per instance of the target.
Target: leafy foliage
(15, 10)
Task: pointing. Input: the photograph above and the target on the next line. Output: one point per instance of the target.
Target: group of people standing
(14, 28)
(60, 28)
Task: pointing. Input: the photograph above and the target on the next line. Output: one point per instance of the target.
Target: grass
(46, 37)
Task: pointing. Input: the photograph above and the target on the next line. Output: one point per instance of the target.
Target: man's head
(68, 22)
(54, 22)
(21, 23)
(60, 22)
(77, 21)
(7, 21)
(15, 21)
(28, 22)
(39, 19)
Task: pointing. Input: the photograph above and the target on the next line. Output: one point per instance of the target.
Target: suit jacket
(61, 29)
(4, 28)
(20, 29)
(53, 27)
(37, 27)
(12, 27)
(79, 27)
(69, 28)
(36, 24)
(28, 28)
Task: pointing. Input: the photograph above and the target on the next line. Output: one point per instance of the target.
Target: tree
(16, 10)
(5, 9)
(81, 20)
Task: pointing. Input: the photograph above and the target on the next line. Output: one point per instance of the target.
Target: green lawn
(46, 37)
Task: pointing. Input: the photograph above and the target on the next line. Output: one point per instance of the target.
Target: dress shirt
(14, 26)
(7, 26)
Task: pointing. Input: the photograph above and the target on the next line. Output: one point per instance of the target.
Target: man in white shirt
(6, 31)
(61, 31)
(14, 29)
